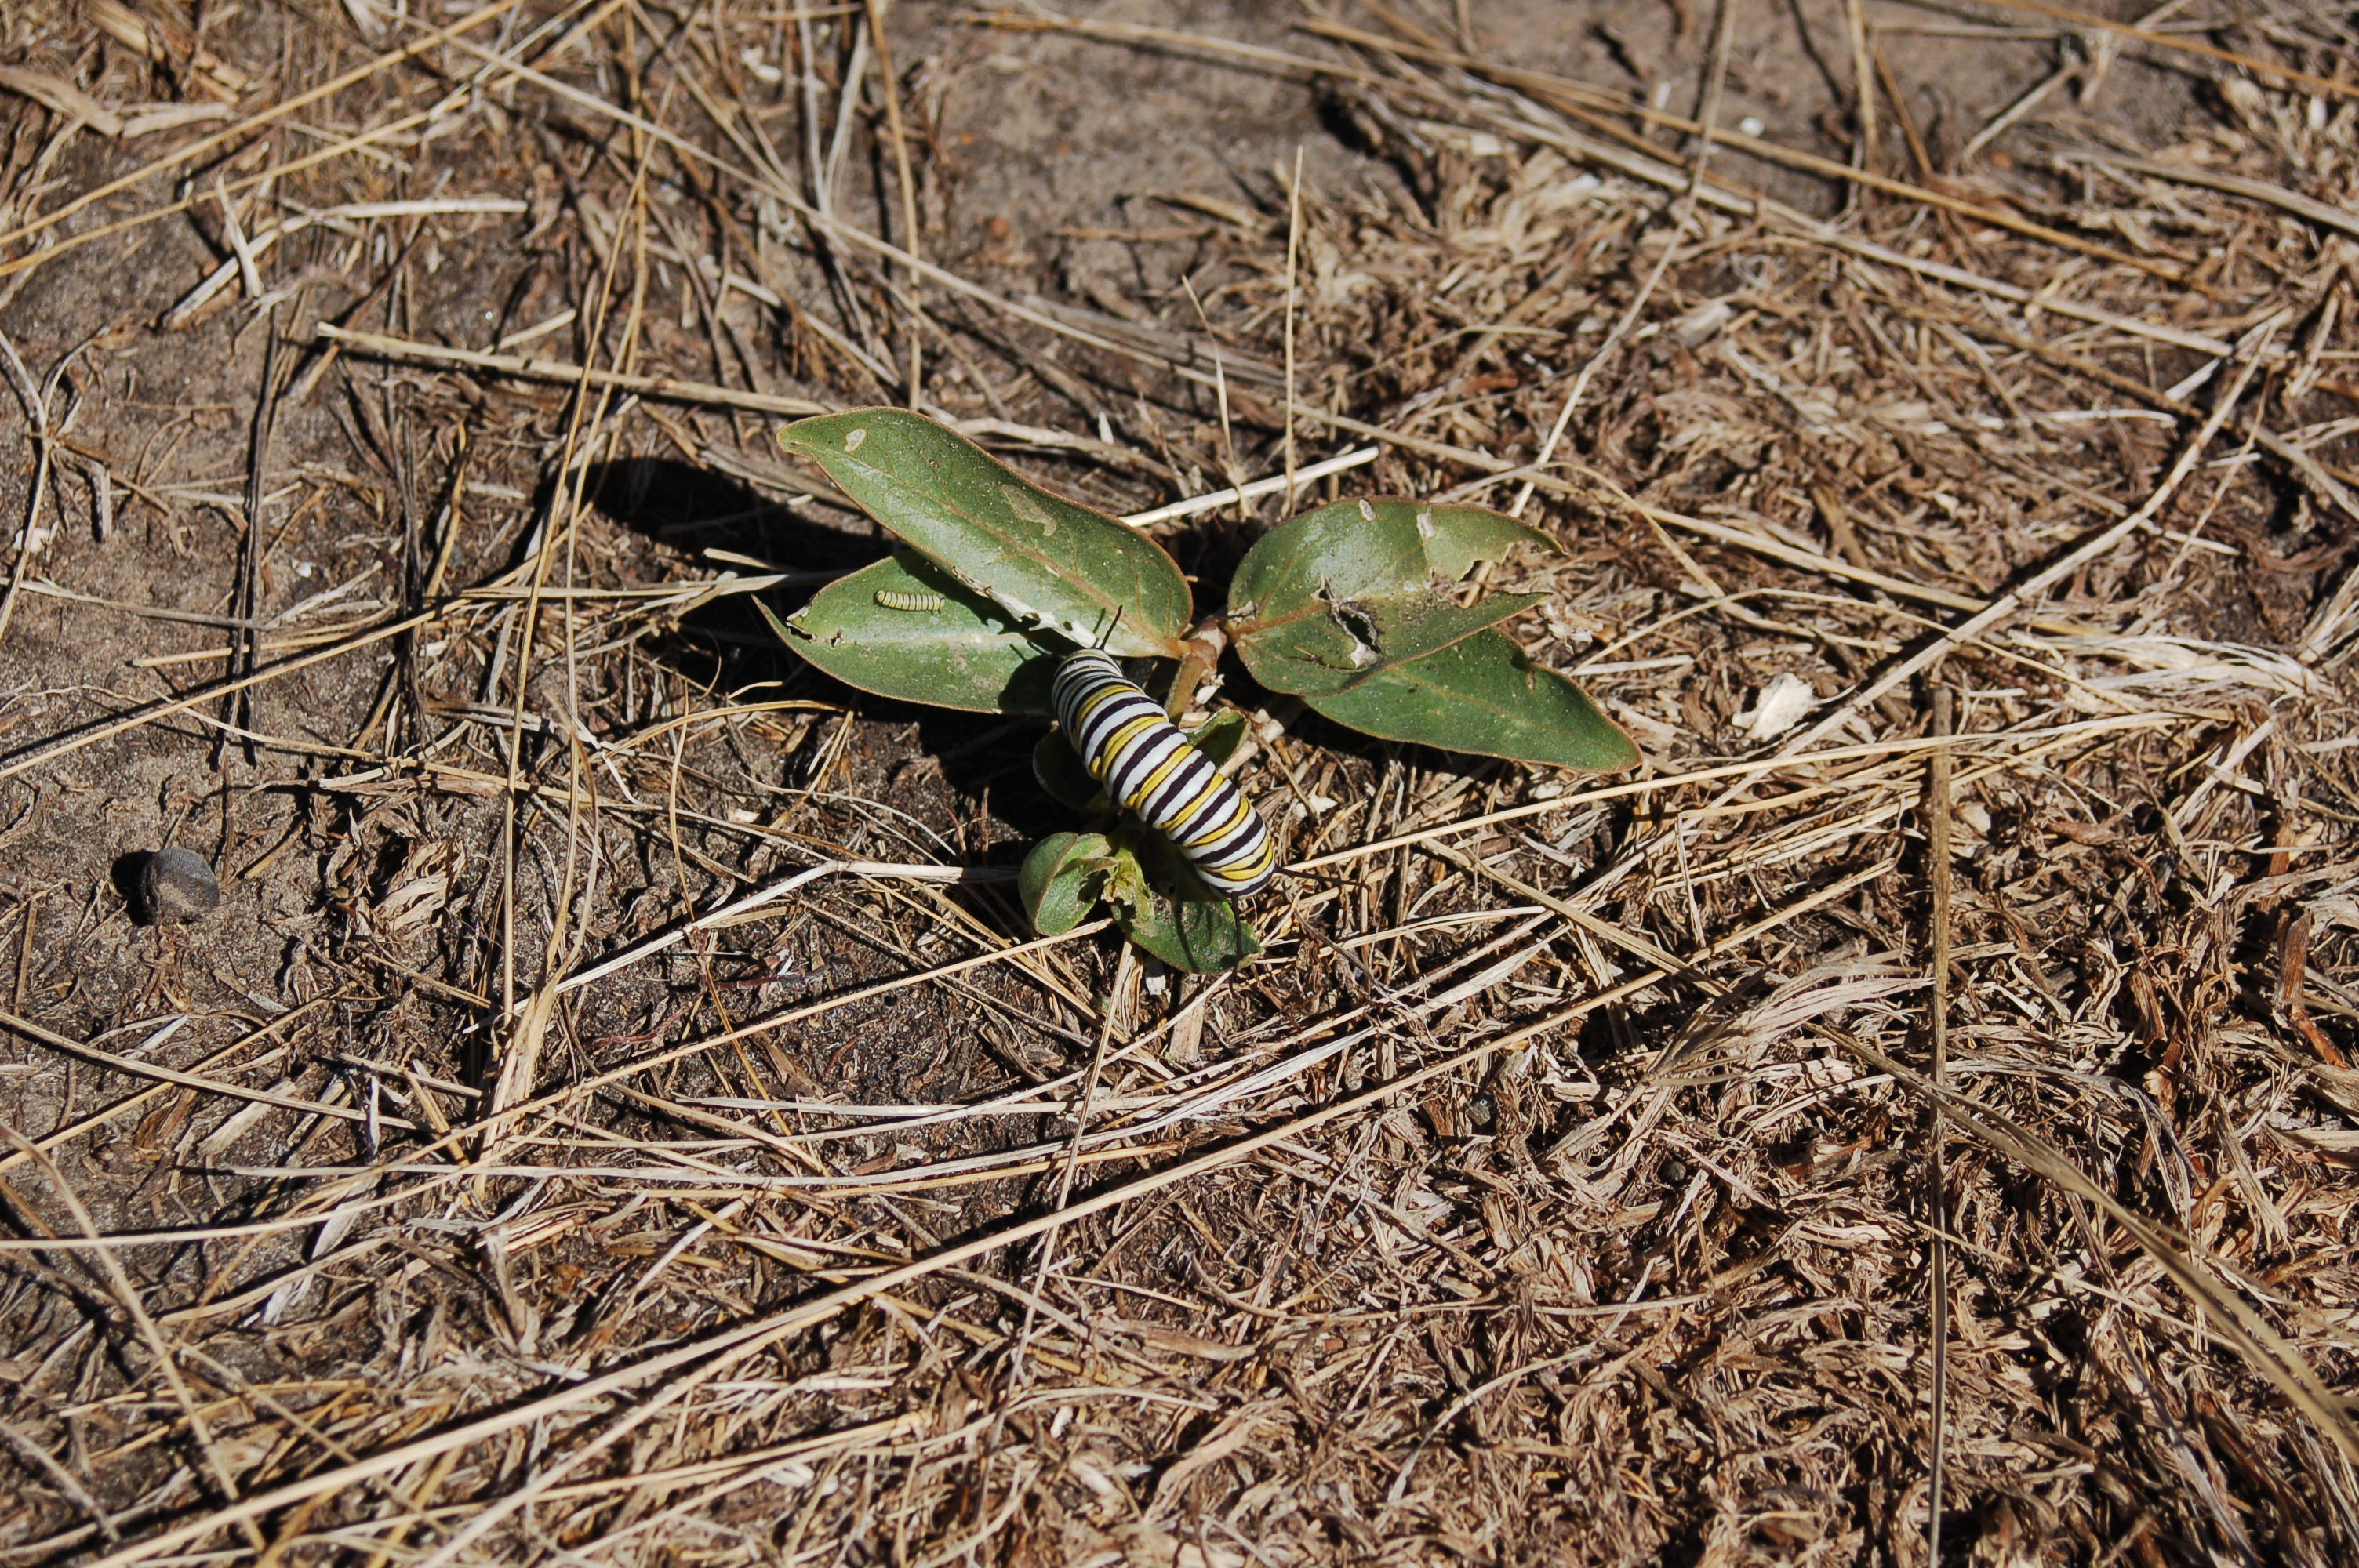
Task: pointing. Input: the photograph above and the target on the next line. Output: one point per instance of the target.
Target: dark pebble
(176, 885)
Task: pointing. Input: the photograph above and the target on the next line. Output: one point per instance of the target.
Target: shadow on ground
(726, 646)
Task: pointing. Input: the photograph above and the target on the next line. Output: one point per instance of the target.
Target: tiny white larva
(919, 604)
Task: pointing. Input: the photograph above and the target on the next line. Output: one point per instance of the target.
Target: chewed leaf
(1168, 912)
(959, 652)
(1061, 879)
(1372, 549)
(1341, 643)
(1199, 937)
(1482, 695)
(1335, 595)
(1045, 561)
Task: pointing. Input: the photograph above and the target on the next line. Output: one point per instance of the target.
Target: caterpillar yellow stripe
(1149, 767)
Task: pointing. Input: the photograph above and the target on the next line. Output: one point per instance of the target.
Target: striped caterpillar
(916, 603)
(1148, 765)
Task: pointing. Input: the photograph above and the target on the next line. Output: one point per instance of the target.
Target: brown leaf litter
(617, 1113)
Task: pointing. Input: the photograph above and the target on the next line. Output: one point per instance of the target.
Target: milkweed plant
(1006, 598)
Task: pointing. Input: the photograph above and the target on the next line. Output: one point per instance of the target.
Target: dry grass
(620, 1115)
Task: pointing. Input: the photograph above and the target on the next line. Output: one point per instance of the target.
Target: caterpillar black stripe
(1149, 767)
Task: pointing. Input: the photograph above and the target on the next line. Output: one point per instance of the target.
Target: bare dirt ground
(1914, 1104)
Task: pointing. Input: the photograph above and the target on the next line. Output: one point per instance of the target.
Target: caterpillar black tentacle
(1149, 767)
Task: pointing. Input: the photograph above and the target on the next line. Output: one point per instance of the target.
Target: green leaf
(1045, 561)
(1220, 736)
(1198, 939)
(1346, 593)
(1060, 772)
(965, 653)
(1341, 643)
(1171, 913)
(1063, 878)
(1483, 695)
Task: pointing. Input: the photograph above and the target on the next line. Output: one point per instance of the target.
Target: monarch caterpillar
(1149, 766)
(898, 599)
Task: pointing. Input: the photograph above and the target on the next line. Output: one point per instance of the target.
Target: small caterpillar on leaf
(919, 604)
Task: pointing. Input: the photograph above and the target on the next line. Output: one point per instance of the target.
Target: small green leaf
(1061, 879)
(1220, 736)
(1171, 913)
(1061, 773)
(965, 653)
(1483, 695)
(1198, 939)
(1125, 883)
(1044, 559)
(1344, 593)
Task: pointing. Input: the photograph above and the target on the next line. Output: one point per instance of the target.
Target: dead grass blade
(2258, 1345)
